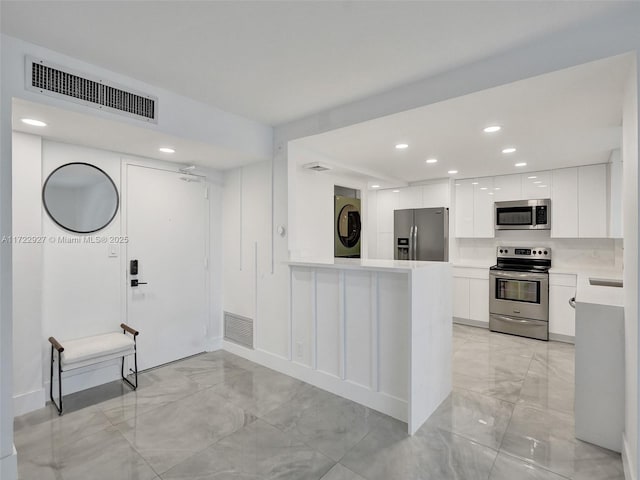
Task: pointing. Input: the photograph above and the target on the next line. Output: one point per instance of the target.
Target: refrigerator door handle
(411, 242)
(415, 242)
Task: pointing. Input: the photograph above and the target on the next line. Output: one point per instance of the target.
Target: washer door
(348, 227)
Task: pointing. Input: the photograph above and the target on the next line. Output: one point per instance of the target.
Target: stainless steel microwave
(523, 215)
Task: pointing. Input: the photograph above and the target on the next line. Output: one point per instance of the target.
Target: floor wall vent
(238, 329)
(64, 83)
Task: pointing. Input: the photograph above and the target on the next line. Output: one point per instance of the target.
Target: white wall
(630, 225)
(311, 207)
(70, 290)
(27, 274)
(180, 116)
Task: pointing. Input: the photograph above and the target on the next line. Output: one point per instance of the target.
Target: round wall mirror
(80, 197)
(349, 226)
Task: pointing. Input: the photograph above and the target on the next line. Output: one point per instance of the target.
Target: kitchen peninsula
(375, 331)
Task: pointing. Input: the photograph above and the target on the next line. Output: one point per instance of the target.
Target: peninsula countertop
(363, 264)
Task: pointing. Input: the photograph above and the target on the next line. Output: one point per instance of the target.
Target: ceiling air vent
(60, 82)
(316, 166)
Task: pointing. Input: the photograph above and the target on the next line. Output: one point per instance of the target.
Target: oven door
(519, 294)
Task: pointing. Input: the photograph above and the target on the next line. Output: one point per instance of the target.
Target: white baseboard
(380, 401)
(9, 466)
(470, 323)
(557, 337)
(213, 344)
(28, 402)
(629, 472)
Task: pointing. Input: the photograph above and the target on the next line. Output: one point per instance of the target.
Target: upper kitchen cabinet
(483, 193)
(507, 188)
(579, 202)
(410, 197)
(564, 203)
(592, 201)
(388, 201)
(474, 208)
(537, 185)
(464, 208)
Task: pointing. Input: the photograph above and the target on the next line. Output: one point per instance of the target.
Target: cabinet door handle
(572, 302)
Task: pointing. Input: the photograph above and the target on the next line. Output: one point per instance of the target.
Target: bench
(82, 352)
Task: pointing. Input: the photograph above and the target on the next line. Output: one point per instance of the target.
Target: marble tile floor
(218, 416)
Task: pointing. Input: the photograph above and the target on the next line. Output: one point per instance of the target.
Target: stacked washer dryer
(347, 227)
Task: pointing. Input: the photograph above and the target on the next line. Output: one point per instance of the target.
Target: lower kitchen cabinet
(460, 297)
(562, 317)
(479, 300)
(471, 294)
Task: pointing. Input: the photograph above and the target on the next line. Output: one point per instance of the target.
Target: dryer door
(347, 227)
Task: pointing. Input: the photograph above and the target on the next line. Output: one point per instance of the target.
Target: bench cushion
(88, 350)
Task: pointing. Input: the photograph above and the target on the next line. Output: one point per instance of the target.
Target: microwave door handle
(415, 242)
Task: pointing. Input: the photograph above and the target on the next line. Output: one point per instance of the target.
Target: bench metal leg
(59, 408)
(135, 363)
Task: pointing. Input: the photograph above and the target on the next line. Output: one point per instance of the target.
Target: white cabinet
(564, 203)
(435, 195)
(388, 201)
(562, 317)
(461, 297)
(592, 201)
(507, 188)
(471, 294)
(464, 208)
(538, 187)
(483, 194)
(410, 197)
(479, 299)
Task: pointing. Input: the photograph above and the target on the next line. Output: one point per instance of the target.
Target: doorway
(166, 224)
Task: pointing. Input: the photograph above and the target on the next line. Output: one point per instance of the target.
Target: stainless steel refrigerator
(421, 234)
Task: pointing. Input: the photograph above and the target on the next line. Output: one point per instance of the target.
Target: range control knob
(546, 253)
(534, 252)
(500, 250)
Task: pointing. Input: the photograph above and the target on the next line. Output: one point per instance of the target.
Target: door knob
(135, 282)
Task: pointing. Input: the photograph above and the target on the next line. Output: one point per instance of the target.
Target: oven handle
(519, 276)
(511, 319)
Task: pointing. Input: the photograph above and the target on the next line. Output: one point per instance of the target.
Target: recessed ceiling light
(492, 129)
(396, 191)
(167, 150)
(538, 181)
(483, 188)
(375, 186)
(33, 122)
(490, 193)
(474, 183)
(532, 176)
(402, 146)
(542, 186)
(497, 188)
(452, 172)
(432, 160)
(508, 150)
(521, 164)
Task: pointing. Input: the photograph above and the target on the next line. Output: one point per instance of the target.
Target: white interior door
(167, 228)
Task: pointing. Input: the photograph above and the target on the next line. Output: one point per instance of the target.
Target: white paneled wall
(353, 325)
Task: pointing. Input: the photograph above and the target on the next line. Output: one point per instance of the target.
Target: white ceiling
(566, 118)
(88, 130)
(278, 61)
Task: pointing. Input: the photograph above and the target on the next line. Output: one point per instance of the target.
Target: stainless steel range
(519, 292)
